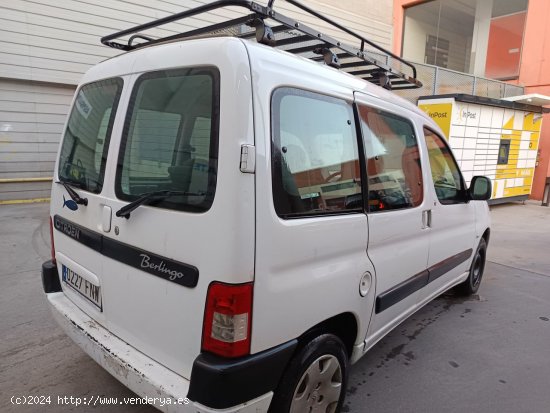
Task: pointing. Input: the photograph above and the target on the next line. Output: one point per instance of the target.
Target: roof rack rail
(367, 61)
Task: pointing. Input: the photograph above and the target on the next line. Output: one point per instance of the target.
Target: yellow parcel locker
(491, 137)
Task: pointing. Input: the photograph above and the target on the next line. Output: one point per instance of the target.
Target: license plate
(86, 289)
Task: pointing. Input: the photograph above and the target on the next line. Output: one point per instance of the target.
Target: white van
(234, 225)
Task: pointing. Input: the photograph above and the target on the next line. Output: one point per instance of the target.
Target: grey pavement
(36, 357)
(485, 354)
(490, 353)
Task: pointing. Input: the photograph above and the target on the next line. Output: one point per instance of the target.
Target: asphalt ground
(489, 353)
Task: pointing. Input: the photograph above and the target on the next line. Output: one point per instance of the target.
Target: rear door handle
(106, 218)
(426, 219)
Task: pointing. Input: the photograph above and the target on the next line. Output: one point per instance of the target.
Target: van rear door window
(86, 140)
(170, 140)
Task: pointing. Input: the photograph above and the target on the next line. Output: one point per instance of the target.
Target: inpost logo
(466, 114)
(438, 115)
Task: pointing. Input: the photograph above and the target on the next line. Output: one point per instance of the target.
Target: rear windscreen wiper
(149, 197)
(72, 193)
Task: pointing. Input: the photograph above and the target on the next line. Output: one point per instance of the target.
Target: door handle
(426, 219)
(106, 218)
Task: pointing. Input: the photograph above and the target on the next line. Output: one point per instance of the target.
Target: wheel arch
(344, 326)
(486, 235)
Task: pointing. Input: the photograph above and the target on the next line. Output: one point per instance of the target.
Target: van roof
(131, 63)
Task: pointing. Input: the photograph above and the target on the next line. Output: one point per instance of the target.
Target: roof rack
(367, 60)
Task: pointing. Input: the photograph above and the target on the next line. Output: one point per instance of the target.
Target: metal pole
(22, 180)
(435, 80)
(546, 193)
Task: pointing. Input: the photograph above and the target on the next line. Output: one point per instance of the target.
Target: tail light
(228, 319)
(51, 241)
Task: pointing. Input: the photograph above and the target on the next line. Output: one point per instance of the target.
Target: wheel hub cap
(319, 387)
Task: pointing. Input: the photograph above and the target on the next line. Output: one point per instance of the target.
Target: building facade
(46, 46)
(508, 40)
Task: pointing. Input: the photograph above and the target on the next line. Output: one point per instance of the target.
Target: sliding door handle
(426, 219)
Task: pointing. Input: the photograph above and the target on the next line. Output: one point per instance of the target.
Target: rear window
(170, 140)
(86, 140)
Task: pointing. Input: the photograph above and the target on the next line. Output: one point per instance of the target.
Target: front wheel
(472, 283)
(315, 380)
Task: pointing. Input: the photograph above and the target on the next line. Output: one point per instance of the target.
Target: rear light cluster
(51, 241)
(228, 319)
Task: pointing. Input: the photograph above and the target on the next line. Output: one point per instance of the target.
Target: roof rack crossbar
(305, 49)
(294, 40)
(364, 72)
(399, 82)
(275, 29)
(357, 63)
(338, 55)
(289, 32)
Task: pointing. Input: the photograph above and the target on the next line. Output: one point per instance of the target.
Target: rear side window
(393, 161)
(86, 140)
(170, 140)
(315, 161)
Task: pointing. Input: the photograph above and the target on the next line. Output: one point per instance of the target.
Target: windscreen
(86, 141)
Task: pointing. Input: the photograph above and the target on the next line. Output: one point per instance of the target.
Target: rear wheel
(472, 283)
(315, 380)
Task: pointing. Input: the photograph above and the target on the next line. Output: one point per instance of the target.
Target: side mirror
(480, 188)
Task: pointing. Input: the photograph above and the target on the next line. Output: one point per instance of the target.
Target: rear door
(181, 132)
(398, 232)
(82, 164)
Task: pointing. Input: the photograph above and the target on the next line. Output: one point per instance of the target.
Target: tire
(315, 379)
(471, 285)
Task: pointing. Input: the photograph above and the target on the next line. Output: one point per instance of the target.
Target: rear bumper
(50, 277)
(238, 380)
(144, 376)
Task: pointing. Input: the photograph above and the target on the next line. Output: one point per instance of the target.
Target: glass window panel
(504, 49)
(506, 7)
(170, 138)
(440, 33)
(448, 183)
(469, 36)
(394, 168)
(86, 141)
(314, 155)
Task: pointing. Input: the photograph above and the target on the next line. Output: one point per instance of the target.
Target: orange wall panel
(542, 170)
(504, 49)
(534, 74)
(535, 57)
